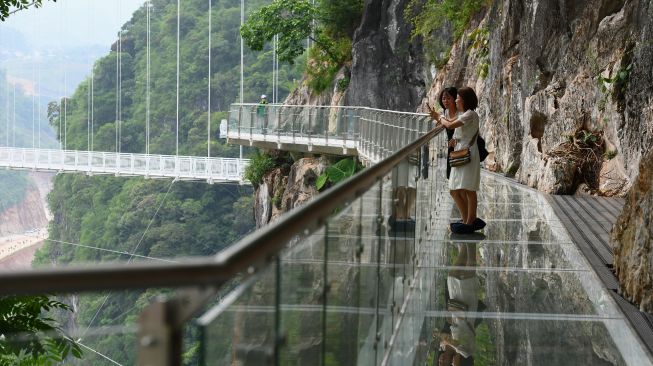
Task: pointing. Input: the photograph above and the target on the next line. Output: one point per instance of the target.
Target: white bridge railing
(125, 164)
(372, 133)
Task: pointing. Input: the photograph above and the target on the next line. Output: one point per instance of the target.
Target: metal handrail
(247, 254)
(330, 107)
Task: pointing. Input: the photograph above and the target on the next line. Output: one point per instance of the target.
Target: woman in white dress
(465, 180)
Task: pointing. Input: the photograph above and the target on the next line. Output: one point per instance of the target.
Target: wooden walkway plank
(583, 223)
(588, 221)
(593, 208)
(611, 206)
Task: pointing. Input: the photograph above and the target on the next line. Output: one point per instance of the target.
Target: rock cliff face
(388, 69)
(285, 188)
(632, 236)
(555, 68)
(26, 215)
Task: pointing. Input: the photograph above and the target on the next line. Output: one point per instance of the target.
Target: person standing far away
(465, 179)
(261, 113)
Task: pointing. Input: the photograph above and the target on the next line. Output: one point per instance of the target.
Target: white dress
(467, 176)
(462, 328)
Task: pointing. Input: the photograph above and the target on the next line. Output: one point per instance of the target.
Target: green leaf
(346, 165)
(321, 181)
(341, 170)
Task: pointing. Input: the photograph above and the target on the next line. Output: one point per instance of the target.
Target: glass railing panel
(288, 121)
(234, 116)
(242, 328)
(302, 301)
(396, 242)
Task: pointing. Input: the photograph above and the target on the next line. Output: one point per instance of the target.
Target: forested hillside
(156, 218)
(19, 126)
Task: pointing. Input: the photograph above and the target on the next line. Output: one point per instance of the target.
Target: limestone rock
(300, 186)
(262, 203)
(286, 187)
(387, 69)
(545, 62)
(632, 238)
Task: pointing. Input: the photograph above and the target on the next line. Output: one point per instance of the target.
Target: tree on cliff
(7, 5)
(329, 24)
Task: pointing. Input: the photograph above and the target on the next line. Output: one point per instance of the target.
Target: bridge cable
(13, 129)
(39, 102)
(92, 104)
(33, 102)
(274, 66)
(119, 79)
(133, 251)
(117, 123)
(88, 87)
(110, 250)
(242, 62)
(7, 108)
(177, 119)
(99, 354)
(148, 5)
(208, 135)
(65, 85)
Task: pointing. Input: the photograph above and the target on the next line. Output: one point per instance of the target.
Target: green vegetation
(259, 164)
(336, 173)
(7, 7)
(329, 24)
(618, 83)
(433, 14)
(428, 17)
(480, 42)
(27, 315)
(610, 154)
(619, 80)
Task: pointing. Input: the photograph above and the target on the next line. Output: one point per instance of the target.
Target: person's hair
(449, 90)
(467, 94)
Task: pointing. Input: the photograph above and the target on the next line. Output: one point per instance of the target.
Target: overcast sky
(73, 23)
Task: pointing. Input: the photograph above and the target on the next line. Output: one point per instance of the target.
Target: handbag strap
(473, 140)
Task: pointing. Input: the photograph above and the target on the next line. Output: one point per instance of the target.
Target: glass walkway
(368, 273)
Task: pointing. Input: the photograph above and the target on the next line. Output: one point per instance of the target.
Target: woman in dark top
(447, 100)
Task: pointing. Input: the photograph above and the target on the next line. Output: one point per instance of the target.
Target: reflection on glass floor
(520, 293)
(364, 290)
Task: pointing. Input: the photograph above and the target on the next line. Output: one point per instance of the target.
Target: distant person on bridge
(465, 161)
(262, 113)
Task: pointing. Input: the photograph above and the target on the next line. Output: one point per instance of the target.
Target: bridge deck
(125, 164)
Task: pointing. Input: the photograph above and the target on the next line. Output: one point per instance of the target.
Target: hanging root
(584, 149)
